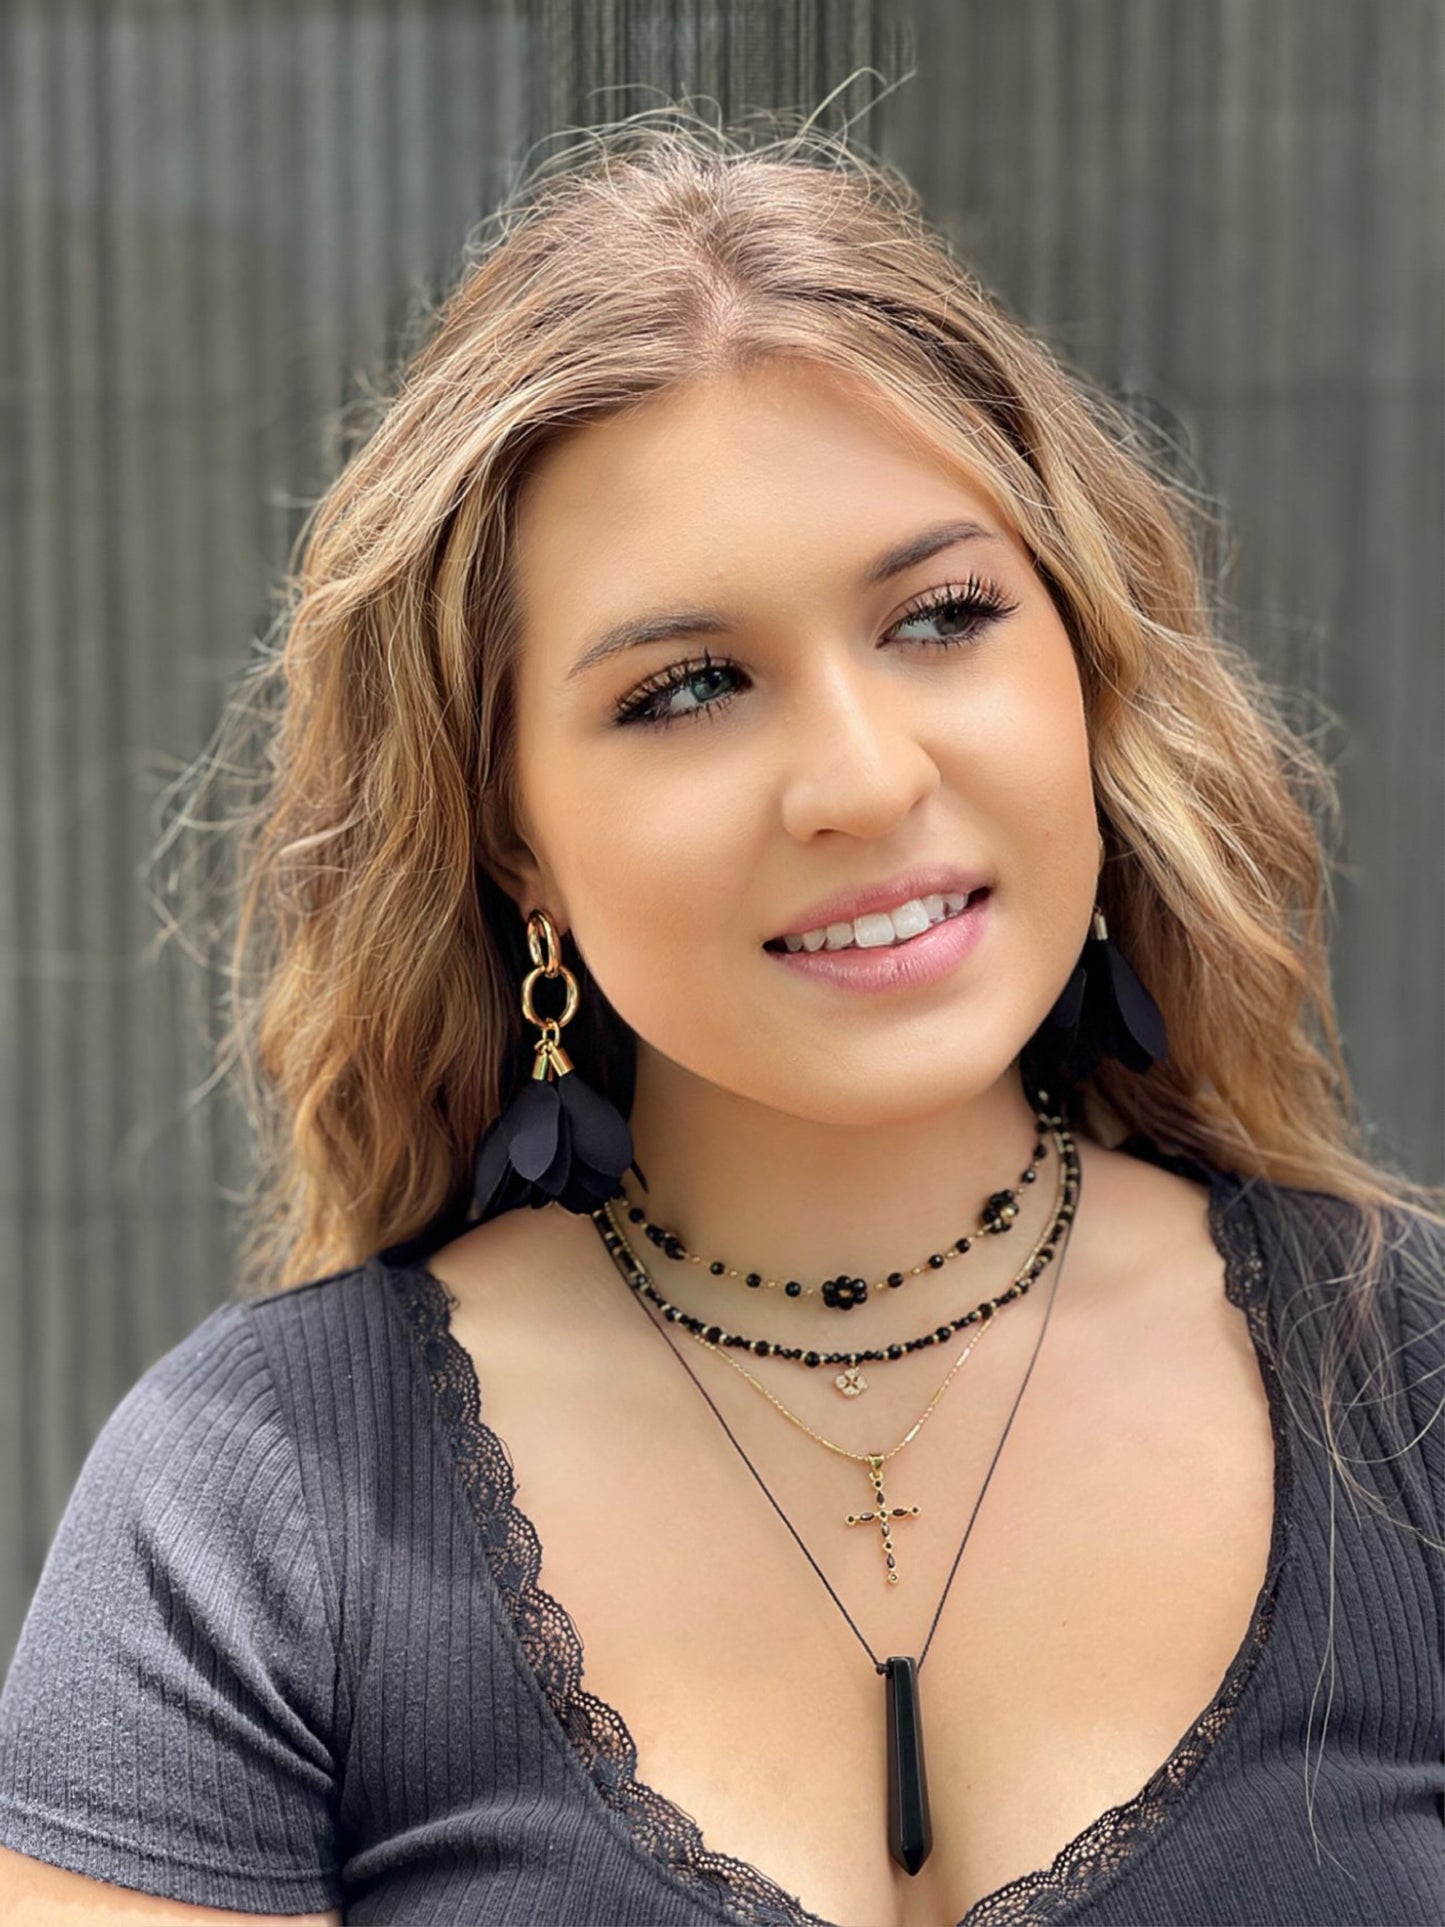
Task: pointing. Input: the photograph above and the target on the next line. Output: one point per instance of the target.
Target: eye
(971, 606)
(963, 609)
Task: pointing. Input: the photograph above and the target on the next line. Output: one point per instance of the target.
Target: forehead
(782, 471)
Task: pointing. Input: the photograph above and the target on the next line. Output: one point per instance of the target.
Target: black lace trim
(599, 1735)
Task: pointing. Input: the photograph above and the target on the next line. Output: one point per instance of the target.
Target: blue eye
(965, 610)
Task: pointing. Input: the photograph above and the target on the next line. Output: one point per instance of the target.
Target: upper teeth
(881, 927)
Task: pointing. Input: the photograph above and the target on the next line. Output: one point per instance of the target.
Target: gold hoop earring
(558, 1141)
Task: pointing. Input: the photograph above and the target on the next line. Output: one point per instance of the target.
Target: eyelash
(980, 601)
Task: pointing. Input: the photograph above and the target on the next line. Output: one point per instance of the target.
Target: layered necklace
(843, 1292)
(910, 1834)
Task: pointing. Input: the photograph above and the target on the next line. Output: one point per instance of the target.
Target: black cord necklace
(910, 1825)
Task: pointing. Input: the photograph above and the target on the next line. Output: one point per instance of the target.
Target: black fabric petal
(1069, 1008)
(1142, 1032)
(1102, 1011)
(601, 1139)
(534, 1127)
(558, 1141)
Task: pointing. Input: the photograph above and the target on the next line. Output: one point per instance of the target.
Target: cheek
(1017, 750)
(659, 876)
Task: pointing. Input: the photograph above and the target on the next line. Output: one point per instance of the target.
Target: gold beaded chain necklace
(880, 1512)
(850, 1381)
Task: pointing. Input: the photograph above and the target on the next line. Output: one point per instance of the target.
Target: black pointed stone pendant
(910, 1829)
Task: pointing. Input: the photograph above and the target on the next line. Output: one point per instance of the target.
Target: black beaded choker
(844, 1292)
(638, 1278)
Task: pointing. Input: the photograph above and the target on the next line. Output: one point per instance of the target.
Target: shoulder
(224, 1453)
(183, 1612)
(1356, 1310)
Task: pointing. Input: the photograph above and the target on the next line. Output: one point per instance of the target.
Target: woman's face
(834, 742)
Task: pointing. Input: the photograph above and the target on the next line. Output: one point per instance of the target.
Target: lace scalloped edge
(549, 1638)
(600, 1737)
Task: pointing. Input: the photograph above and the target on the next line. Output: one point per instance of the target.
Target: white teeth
(881, 928)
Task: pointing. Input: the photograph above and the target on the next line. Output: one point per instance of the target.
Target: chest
(1109, 1576)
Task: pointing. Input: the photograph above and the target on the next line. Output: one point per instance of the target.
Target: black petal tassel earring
(559, 1141)
(1104, 1011)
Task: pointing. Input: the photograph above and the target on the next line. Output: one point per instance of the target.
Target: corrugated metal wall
(215, 219)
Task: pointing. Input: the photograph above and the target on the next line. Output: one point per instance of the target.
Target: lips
(939, 879)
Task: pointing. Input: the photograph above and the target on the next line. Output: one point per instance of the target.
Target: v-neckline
(665, 1837)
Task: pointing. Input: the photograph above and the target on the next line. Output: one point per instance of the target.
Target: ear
(527, 882)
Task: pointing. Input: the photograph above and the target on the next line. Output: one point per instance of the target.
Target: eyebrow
(665, 625)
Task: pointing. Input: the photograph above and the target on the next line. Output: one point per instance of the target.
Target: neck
(793, 1198)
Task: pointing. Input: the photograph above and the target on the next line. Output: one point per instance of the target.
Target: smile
(880, 929)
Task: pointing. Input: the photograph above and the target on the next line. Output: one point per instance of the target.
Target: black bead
(635, 1215)
(675, 1248)
(760, 1346)
(810, 1358)
(717, 1267)
(895, 1277)
(963, 1244)
(936, 1261)
(942, 1334)
(843, 1293)
(895, 1351)
(994, 1211)
(793, 1288)
(755, 1278)
(1028, 1177)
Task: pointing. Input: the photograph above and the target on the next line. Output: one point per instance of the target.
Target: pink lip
(931, 880)
(922, 960)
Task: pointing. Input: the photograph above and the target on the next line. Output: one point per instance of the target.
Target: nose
(856, 754)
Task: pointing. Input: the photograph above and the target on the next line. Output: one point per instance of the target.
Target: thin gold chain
(880, 1458)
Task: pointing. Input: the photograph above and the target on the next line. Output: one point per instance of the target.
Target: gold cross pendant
(883, 1515)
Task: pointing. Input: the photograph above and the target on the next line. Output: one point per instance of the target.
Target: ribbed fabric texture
(288, 1652)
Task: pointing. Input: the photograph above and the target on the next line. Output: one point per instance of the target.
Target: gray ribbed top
(289, 1652)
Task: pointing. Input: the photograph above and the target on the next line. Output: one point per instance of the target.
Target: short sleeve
(168, 1719)
(1420, 1346)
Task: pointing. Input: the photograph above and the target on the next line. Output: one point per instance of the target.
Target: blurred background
(219, 220)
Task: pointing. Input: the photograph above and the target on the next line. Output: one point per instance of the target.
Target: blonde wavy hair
(374, 964)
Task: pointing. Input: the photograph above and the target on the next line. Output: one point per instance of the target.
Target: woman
(764, 845)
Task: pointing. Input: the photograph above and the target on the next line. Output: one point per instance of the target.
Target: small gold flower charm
(850, 1381)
